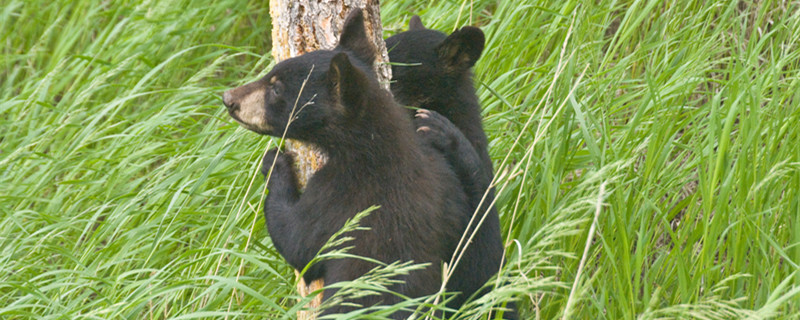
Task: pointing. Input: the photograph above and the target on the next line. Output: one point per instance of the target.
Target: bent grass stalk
(267, 179)
(589, 239)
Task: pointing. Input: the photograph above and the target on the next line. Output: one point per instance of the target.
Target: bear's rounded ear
(461, 49)
(354, 37)
(415, 24)
(346, 84)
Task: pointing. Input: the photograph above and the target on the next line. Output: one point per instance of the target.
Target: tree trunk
(300, 26)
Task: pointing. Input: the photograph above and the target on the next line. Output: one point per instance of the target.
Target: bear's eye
(275, 89)
(274, 92)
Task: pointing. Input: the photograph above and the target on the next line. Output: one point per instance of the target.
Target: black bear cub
(331, 98)
(432, 70)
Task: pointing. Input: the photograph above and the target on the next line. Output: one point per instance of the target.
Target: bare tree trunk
(300, 26)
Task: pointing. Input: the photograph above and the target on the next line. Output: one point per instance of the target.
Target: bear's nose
(227, 100)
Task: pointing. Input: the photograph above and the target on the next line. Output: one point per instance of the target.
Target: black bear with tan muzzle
(377, 156)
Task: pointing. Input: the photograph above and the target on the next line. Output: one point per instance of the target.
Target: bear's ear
(354, 37)
(346, 84)
(461, 49)
(415, 24)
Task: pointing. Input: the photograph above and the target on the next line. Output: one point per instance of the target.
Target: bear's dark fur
(432, 70)
(330, 98)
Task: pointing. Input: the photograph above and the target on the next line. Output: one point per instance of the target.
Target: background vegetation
(127, 192)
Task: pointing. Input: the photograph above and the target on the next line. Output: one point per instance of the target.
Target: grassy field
(648, 158)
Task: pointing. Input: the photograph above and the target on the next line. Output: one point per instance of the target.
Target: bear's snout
(227, 100)
(246, 105)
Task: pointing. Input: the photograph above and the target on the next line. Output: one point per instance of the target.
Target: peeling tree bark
(300, 26)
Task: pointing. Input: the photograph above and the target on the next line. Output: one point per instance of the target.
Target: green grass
(127, 192)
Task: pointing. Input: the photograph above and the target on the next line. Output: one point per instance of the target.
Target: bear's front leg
(435, 131)
(285, 225)
(482, 259)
